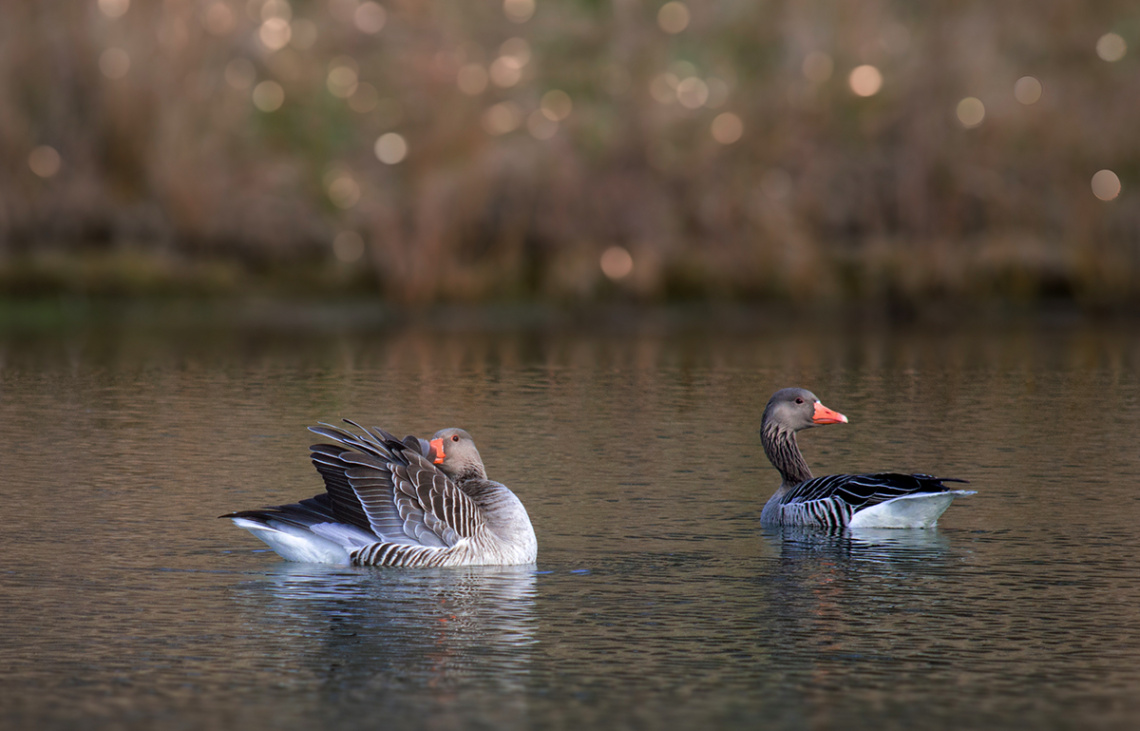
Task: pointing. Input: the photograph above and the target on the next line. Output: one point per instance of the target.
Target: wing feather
(861, 491)
(386, 486)
(424, 491)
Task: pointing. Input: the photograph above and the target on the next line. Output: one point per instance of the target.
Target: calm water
(657, 600)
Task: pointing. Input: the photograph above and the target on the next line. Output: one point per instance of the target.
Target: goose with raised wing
(414, 503)
(881, 500)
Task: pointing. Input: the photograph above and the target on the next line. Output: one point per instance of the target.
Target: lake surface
(657, 600)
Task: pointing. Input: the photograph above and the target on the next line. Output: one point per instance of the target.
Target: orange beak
(824, 415)
(437, 449)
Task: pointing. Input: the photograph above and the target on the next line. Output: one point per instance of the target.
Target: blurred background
(597, 235)
(575, 151)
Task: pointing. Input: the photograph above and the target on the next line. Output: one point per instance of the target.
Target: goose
(882, 500)
(412, 503)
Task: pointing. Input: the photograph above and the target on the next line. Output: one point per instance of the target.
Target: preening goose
(413, 503)
(882, 500)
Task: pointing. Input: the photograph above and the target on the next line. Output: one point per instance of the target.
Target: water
(657, 600)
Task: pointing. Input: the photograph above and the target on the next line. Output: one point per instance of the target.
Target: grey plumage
(884, 499)
(387, 504)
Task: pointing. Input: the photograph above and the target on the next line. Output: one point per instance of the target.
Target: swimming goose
(413, 503)
(883, 500)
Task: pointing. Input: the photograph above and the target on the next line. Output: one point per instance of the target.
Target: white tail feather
(294, 543)
(348, 536)
(920, 510)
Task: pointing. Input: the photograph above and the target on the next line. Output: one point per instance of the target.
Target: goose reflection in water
(863, 600)
(375, 635)
(871, 544)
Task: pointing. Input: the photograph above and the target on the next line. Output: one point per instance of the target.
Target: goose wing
(861, 491)
(388, 487)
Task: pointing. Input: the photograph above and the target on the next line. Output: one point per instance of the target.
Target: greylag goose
(883, 500)
(413, 503)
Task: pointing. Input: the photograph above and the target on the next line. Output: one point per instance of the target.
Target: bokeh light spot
(865, 80)
(518, 11)
(971, 112)
(1105, 185)
(506, 71)
(370, 17)
(541, 126)
(1111, 47)
(275, 33)
(391, 148)
(114, 8)
(342, 81)
(556, 105)
(1027, 90)
(114, 63)
(502, 118)
(343, 190)
(818, 67)
(616, 263)
(727, 128)
(268, 96)
(44, 161)
(692, 92)
(218, 19)
(673, 17)
(516, 48)
(348, 247)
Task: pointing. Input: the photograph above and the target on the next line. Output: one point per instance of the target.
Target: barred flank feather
(391, 554)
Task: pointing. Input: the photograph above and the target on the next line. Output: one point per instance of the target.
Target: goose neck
(784, 453)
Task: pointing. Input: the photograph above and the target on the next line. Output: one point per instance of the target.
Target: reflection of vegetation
(504, 195)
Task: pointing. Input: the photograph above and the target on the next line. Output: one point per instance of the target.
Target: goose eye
(455, 437)
(799, 400)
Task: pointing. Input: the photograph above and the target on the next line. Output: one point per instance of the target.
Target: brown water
(657, 600)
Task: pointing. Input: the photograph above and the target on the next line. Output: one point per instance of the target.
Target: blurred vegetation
(180, 169)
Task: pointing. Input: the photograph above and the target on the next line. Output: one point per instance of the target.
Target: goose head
(453, 451)
(795, 409)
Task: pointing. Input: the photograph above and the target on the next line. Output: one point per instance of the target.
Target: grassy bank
(1000, 274)
(225, 147)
